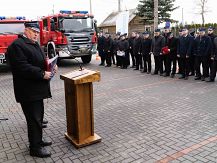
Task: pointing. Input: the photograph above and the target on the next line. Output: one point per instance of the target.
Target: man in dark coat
(212, 36)
(184, 51)
(172, 55)
(115, 48)
(131, 41)
(166, 36)
(31, 84)
(145, 51)
(108, 49)
(202, 48)
(100, 48)
(158, 42)
(123, 46)
(137, 51)
(214, 62)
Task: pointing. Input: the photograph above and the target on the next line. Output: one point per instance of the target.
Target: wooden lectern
(79, 107)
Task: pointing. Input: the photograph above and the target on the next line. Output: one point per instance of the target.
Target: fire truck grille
(79, 40)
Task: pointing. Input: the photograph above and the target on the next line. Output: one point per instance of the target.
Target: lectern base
(90, 140)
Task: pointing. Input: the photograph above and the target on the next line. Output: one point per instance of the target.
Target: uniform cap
(157, 30)
(202, 29)
(33, 25)
(146, 33)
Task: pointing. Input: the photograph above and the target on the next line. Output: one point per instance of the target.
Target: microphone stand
(81, 68)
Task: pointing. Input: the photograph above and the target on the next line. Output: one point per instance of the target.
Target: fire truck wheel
(86, 59)
(51, 53)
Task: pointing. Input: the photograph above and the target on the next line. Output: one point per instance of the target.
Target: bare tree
(202, 4)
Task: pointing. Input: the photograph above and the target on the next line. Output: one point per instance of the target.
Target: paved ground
(141, 118)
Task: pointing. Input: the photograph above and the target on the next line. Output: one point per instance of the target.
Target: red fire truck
(10, 28)
(69, 34)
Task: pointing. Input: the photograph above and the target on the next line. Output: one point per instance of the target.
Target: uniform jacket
(202, 46)
(123, 45)
(27, 63)
(146, 46)
(212, 50)
(137, 45)
(131, 40)
(101, 43)
(158, 42)
(115, 44)
(215, 49)
(108, 44)
(185, 46)
(172, 45)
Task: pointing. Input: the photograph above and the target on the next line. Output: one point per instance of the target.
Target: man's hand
(47, 75)
(212, 58)
(178, 55)
(187, 56)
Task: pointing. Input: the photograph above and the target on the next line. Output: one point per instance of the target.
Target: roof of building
(111, 19)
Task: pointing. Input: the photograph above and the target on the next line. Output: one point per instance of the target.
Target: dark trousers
(124, 61)
(170, 61)
(133, 58)
(158, 60)
(118, 59)
(185, 66)
(179, 65)
(213, 70)
(108, 58)
(205, 66)
(192, 64)
(164, 60)
(102, 56)
(113, 58)
(138, 61)
(147, 62)
(34, 112)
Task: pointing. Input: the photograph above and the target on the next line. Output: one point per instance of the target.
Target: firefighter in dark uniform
(202, 47)
(123, 46)
(158, 42)
(166, 36)
(179, 63)
(212, 36)
(100, 48)
(184, 51)
(115, 48)
(145, 51)
(31, 84)
(172, 55)
(214, 62)
(131, 41)
(137, 51)
(108, 49)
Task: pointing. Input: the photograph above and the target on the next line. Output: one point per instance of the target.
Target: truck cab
(10, 28)
(69, 34)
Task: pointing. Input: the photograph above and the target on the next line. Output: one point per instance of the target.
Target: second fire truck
(69, 34)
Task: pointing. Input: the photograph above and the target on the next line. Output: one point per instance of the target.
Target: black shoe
(133, 67)
(172, 75)
(186, 78)
(40, 152)
(166, 75)
(148, 72)
(108, 66)
(161, 74)
(210, 80)
(44, 126)
(182, 77)
(202, 78)
(197, 78)
(46, 143)
(191, 74)
(136, 69)
(101, 64)
(45, 122)
(155, 73)
(143, 71)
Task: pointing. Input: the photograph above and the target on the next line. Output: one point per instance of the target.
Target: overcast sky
(101, 8)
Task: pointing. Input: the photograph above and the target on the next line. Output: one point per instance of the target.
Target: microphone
(81, 68)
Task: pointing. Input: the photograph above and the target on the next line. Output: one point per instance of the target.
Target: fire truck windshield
(11, 28)
(77, 24)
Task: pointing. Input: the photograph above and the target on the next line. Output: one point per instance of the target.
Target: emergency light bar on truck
(73, 12)
(13, 18)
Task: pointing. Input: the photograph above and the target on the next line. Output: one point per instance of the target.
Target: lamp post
(90, 6)
(155, 14)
